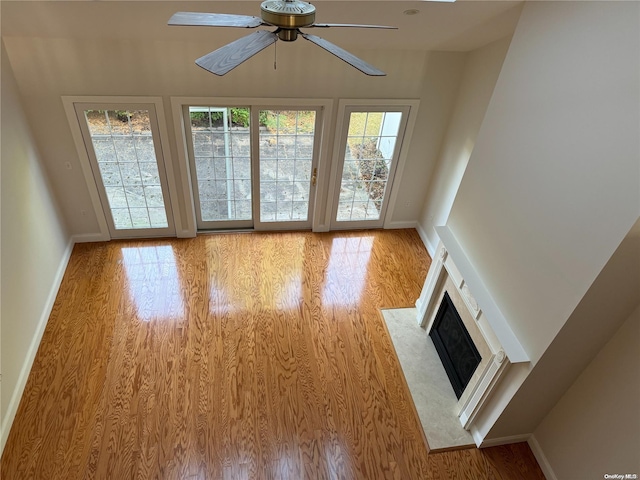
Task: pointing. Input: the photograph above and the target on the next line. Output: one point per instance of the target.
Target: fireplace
(453, 287)
(454, 345)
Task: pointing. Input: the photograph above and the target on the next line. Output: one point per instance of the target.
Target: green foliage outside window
(240, 117)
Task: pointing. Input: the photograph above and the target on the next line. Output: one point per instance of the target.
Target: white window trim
(69, 108)
(318, 212)
(413, 105)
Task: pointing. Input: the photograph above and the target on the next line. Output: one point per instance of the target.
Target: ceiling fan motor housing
(288, 15)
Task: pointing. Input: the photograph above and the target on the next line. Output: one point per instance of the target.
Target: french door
(368, 154)
(220, 161)
(253, 166)
(122, 142)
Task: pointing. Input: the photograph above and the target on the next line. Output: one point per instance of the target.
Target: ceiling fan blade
(350, 25)
(214, 20)
(227, 58)
(342, 54)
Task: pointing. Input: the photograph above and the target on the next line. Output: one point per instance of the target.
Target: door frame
(340, 137)
(325, 106)
(69, 103)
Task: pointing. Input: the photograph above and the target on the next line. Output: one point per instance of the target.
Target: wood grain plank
(228, 57)
(511, 461)
(233, 356)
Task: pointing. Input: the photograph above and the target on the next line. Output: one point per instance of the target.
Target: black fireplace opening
(454, 345)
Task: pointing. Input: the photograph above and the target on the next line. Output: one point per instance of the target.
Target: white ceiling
(459, 26)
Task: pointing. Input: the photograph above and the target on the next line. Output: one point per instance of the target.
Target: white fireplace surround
(452, 267)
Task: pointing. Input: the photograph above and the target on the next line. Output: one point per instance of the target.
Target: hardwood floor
(234, 356)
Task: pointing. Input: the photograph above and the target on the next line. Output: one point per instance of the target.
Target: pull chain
(275, 55)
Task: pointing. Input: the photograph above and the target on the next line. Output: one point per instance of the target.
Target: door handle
(314, 177)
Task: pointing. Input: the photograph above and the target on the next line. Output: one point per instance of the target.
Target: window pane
(368, 155)
(124, 148)
(222, 150)
(286, 150)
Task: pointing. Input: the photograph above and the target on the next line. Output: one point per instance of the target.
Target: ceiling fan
(289, 16)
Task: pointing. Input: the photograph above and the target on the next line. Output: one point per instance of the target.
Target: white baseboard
(431, 250)
(30, 356)
(398, 225)
(494, 442)
(545, 466)
(90, 237)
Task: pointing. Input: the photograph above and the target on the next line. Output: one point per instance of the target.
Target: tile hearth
(428, 383)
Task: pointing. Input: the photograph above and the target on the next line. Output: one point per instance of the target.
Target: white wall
(35, 250)
(553, 185)
(48, 68)
(478, 79)
(440, 85)
(611, 298)
(593, 429)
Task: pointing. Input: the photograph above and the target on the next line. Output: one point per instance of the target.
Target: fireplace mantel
(451, 269)
(510, 343)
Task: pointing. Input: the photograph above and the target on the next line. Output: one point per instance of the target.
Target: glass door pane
(371, 147)
(220, 155)
(287, 140)
(125, 155)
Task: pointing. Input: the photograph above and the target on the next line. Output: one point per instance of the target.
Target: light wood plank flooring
(232, 356)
